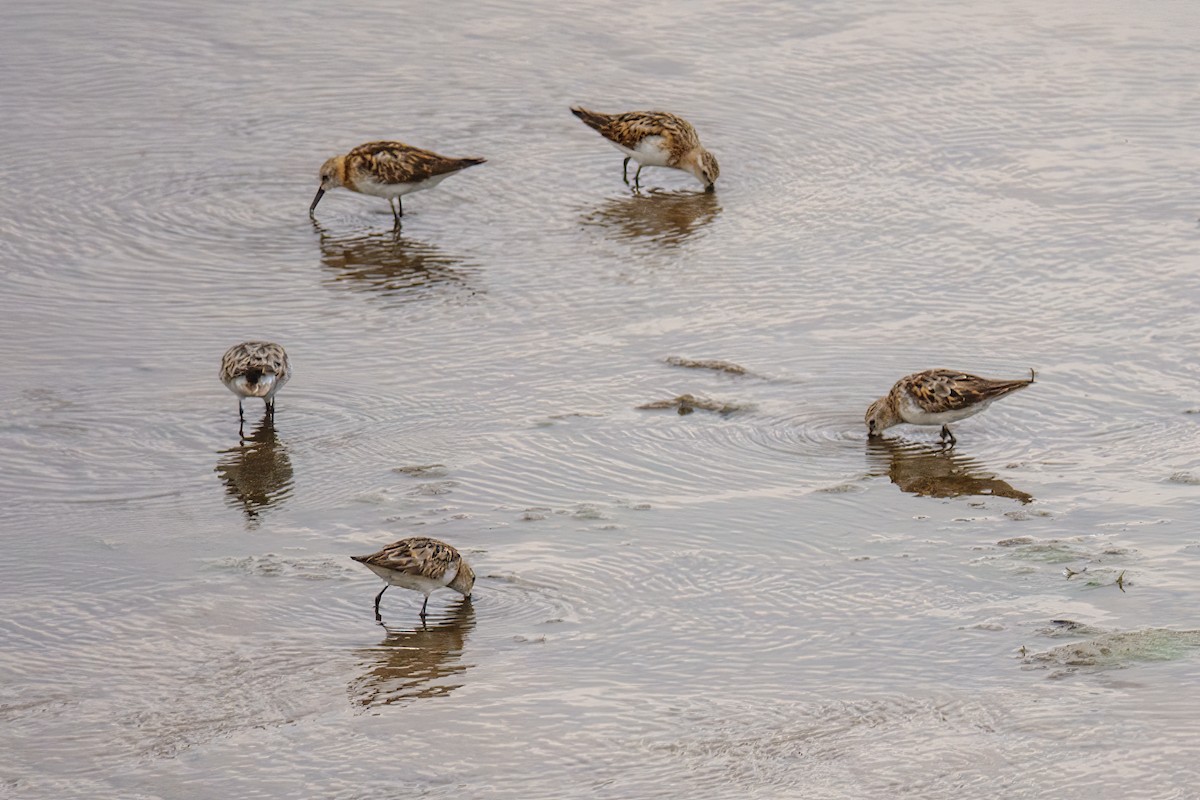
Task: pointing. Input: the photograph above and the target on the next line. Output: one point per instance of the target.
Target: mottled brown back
(263, 357)
(396, 162)
(418, 555)
(630, 128)
(941, 390)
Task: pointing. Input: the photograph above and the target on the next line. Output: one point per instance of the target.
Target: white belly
(650, 152)
(913, 414)
(417, 583)
(392, 190)
(265, 387)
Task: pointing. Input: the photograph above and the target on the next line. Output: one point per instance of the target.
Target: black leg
(423, 605)
(378, 616)
(241, 411)
(637, 185)
(625, 170)
(271, 407)
(948, 436)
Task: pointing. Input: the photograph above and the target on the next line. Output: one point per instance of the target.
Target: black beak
(712, 187)
(316, 200)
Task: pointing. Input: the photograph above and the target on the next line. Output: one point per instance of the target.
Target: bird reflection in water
(418, 662)
(666, 218)
(258, 472)
(936, 471)
(391, 265)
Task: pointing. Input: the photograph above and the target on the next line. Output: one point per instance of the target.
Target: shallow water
(754, 603)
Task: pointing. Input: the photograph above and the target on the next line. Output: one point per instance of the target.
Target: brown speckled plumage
(249, 358)
(630, 128)
(396, 162)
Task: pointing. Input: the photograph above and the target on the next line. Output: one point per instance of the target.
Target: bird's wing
(396, 162)
(418, 556)
(629, 129)
(940, 390)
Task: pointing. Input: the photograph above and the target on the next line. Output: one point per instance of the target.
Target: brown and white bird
(421, 564)
(938, 397)
(255, 369)
(388, 169)
(654, 139)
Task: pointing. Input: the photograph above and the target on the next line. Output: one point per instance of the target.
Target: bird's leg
(378, 616)
(423, 605)
(625, 170)
(241, 411)
(947, 435)
(397, 209)
(637, 185)
(270, 402)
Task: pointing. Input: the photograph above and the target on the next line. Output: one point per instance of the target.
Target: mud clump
(687, 403)
(708, 363)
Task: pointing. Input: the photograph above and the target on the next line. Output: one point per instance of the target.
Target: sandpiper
(255, 369)
(388, 169)
(654, 139)
(937, 397)
(421, 564)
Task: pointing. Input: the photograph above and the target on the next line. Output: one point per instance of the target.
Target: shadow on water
(392, 266)
(258, 472)
(418, 662)
(666, 218)
(934, 471)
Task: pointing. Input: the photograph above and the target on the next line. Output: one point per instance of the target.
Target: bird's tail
(1001, 388)
(592, 119)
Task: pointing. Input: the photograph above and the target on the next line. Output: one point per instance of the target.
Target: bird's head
(464, 581)
(880, 416)
(706, 169)
(330, 177)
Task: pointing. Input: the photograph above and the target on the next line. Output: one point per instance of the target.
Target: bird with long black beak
(388, 169)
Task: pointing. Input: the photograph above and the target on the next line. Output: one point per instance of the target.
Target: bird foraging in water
(255, 369)
(388, 169)
(654, 139)
(937, 397)
(421, 564)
